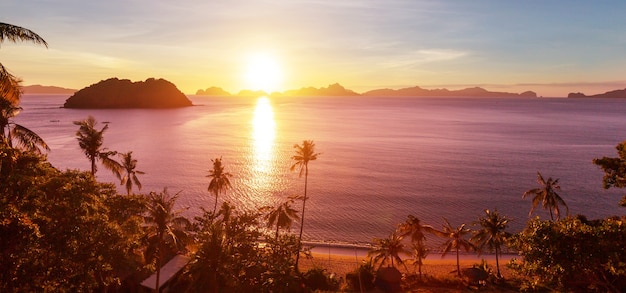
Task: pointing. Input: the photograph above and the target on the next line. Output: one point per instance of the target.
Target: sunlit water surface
(381, 158)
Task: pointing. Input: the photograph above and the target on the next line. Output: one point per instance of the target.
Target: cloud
(418, 57)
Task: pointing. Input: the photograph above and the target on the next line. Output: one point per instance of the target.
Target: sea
(380, 158)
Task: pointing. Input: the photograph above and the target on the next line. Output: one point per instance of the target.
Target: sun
(263, 72)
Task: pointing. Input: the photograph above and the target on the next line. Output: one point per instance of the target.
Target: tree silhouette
(491, 234)
(130, 177)
(281, 216)
(388, 250)
(614, 170)
(455, 239)
(11, 93)
(413, 227)
(165, 227)
(10, 85)
(219, 180)
(90, 141)
(547, 196)
(304, 154)
(11, 132)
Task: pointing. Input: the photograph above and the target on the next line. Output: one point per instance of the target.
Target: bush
(362, 276)
(316, 279)
(573, 254)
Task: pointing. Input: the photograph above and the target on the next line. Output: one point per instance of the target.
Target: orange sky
(552, 48)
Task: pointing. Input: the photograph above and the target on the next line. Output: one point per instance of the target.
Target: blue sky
(551, 47)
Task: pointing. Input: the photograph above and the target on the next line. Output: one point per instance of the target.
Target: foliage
(90, 141)
(317, 279)
(10, 90)
(413, 227)
(573, 254)
(361, 279)
(281, 216)
(304, 154)
(547, 195)
(491, 234)
(388, 250)
(130, 177)
(15, 134)
(165, 229)
(455, 239)
(65, 232)
(614, 170)
(219, 180)
(230, 258)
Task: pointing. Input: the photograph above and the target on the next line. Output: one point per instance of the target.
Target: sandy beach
(342, 260)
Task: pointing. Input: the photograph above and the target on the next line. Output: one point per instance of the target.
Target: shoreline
(360, 251)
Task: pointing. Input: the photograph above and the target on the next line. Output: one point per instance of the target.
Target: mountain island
(123, 93)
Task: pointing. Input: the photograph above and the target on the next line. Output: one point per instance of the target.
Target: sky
(550, 47)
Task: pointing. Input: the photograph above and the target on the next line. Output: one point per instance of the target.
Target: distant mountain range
(338, 90)
(619, 94)
(42, 89)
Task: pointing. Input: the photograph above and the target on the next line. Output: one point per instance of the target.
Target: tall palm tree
(304, 154)
(548, 197)
(455, 239)
(491, 234)
(11, 132)
(130, 177)
(413, 227)
(90, 141)
(164, 227)
(388, 250)
(419, 251)
(219, 180)
(281, 216)
(10, 89)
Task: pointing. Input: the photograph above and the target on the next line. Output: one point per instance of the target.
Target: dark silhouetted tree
(491, 234)
(130, 174)
(90, 141)
(304, 154)
(547, 195)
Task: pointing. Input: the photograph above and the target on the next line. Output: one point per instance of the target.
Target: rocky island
(616, 94)
(123, 93)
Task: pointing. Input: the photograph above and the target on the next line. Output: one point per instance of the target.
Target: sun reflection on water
(263, 135)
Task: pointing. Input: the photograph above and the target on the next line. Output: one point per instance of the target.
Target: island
(123, 93)
(337, 90)
(468, 92)
(42, 89)
(616, 94)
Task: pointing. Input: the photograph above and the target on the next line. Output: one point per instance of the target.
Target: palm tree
(9, 85)
(219, 180)
(90, 141)
(414, 228)
(11, 92)
(164, 227)
(455, 240)
(547, 196)
(11, 132)
(282, 216)
(419, 251)
(129, 164)
(491, 234)
(388, 250)
(304, 154)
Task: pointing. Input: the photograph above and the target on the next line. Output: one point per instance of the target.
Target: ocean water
(381, 158)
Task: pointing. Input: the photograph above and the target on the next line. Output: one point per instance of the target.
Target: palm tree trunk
(306, 177)
(497, 262)
(458, 266)
(158, 264)
(93, 166)
(215, 206)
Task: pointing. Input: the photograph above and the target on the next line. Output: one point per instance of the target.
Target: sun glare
(264, 73)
